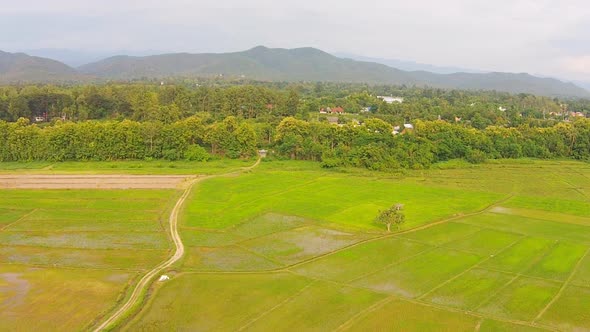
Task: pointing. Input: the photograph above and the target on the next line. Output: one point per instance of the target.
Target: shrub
(475, 156)
(196, 153)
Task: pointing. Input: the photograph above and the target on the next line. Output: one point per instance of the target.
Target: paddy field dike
(286, 245)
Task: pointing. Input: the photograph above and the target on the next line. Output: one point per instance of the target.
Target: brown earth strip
(94, 181)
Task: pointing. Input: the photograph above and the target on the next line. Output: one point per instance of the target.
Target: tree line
(370, 143)
(265, 101)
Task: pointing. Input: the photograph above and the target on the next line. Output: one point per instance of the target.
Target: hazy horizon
(544, 38)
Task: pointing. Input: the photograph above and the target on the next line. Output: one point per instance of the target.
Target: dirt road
(147, 278)
(158, 270)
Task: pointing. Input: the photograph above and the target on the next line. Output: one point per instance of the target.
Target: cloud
(577, 64)
(537, 36)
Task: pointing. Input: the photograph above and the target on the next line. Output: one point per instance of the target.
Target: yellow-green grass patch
(523, 299)
(532, 227)
(44, 196)
(321, 307)
(88, 240)
(469, 289)
(575, 207)
(268, 223)
(83, 258)
(520, 256)
(9, 216)
(46, 299)
(199, 238)
(421, 274)
(126, 167)
(400, 315)
(230, 258)
(582, 275)
(542, 214)
(489, 325)
(299, 244)
(363, 259)
(89, 215)
(120, 200)
(559, 263)
(443, 233)
(570, 311)
(69, 225)
(323, 196)
(192, 302)
(485, 242)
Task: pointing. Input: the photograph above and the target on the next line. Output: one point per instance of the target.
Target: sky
(540, 37)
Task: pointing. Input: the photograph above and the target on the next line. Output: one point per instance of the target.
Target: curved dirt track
(136, 294)
(149, 276)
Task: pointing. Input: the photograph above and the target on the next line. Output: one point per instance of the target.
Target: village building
(328, 110)
(262, 153)
(391, 99)
(577, 114)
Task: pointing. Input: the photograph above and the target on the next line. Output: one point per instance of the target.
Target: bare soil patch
(93, 181)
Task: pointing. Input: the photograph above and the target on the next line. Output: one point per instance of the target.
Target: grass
(494, 270)
(239, 299)
(299, 244)
(229, 258)
(557, 231)
(518, 257)
(523, 299)
(124, 167)
(399, 315)
(338, 304)
(417, 276)
(570, 311)
(355, 262)
(222, 203)
(467, 291)
(288, 246)
(559, 262)
(582, 275)
(127, 259)
(68, 256)
(48, 299)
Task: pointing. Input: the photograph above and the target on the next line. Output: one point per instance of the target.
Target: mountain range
(272, 64)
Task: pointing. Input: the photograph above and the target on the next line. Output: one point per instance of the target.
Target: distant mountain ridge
(410, 65)
(20, 67)
(277, 64)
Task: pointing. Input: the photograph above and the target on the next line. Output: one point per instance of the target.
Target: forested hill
(275, 64)
(19, 67)
(259, 63)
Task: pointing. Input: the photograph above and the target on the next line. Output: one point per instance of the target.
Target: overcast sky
(548, 37)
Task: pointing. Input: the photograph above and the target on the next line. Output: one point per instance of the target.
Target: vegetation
(492, 240)
(261, 63)
(391, 216)
(147, 122)
(481, 265)
(501, 246)
(67, 256)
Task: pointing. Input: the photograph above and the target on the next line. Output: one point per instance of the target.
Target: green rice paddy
(287, 246)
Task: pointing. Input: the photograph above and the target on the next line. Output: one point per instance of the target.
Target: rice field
(290, 247)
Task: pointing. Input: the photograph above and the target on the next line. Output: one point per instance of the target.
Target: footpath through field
(146, 280)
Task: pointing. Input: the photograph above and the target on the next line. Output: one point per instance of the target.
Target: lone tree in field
(393, 215)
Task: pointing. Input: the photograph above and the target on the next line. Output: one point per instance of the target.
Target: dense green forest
(214, 118)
